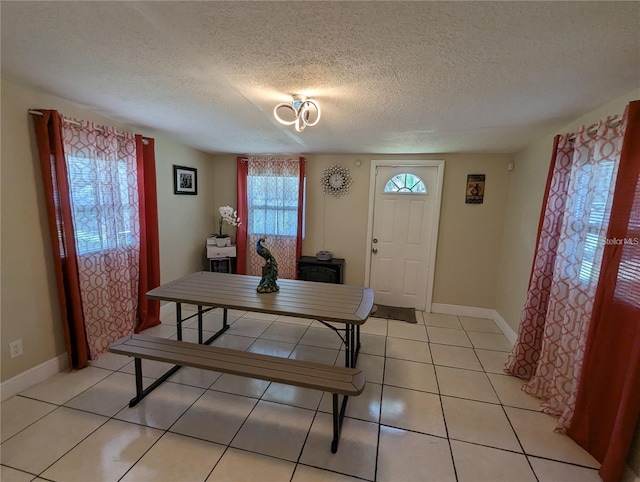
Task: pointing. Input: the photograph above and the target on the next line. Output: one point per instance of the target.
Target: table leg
(200, 324)
(179, 320)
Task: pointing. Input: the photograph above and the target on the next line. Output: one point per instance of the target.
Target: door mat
(394, 313)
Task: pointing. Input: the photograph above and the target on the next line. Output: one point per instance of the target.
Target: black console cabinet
(311, 268)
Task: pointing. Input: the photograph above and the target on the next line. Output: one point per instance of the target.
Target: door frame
(431, 256)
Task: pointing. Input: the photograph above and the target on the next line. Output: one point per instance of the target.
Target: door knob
(374, 250)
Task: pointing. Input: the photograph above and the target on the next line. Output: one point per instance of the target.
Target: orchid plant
(229, 216)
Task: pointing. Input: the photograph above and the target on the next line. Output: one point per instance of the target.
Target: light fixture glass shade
(302, 110)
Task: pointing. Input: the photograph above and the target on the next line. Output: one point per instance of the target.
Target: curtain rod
(79, 124)
(592, 130)
(274, 158)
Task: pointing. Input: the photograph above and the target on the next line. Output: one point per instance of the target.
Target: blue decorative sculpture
(269, 270)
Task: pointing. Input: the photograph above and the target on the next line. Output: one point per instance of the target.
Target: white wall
(523, 212)
(468, 251)
(29, 306)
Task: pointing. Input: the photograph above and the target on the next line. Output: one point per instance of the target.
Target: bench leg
(140, 392)
(338, 418)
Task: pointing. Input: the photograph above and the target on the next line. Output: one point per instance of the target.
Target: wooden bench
(335, 379)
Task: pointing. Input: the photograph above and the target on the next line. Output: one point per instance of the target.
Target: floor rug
(394, 313)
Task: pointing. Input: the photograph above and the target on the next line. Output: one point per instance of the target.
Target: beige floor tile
(479, 422)
(365, 406)
(375, 326)
(468, 384)
(191, 335)
(17, 413)
(215, 417)
(492, 361)
(243, 386)
(234, 342)
(401, 329)
(373, 366)
(479, 324)
(110, 361)
(210, 322)
(550, 471)
(372, 344)
(286, 332)
(408, 374)
(535, 431)
(448, 336)
(294, 396)
(443, 321)
(305, 473)
(162, 330)
(294, 320)
(321, 337)
(108, 396)
(315, 354)
(239, 465)
(196, 377)
(162, 407)
(420, 317)
(412, 410)
(176, 458)
(107, 454)
(151, 369)
(42, 443)
(455, 356)
(508, 389)
(475, 463)
(249, 327)
(413, 456)
(63, 386)
(402, 349)
(7, 474)
(489, 341)
(356, 455)
(271, 347)
(255, 315)
(276, 430)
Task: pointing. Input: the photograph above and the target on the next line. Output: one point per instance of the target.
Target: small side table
(222, 259)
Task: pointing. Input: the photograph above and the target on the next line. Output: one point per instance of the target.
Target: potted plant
(230, 216)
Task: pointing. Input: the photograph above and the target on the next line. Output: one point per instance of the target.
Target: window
(101, 205)
(272, 200)
(598, 219)
(405, 183)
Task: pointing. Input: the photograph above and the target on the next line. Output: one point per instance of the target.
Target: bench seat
(337, 380)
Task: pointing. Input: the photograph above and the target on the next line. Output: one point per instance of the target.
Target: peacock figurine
(269, 270)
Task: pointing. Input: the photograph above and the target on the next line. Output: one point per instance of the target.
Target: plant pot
(220, 242)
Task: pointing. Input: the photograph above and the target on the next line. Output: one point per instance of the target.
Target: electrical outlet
(15, 348)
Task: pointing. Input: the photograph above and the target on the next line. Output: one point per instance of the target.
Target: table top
(304, 299)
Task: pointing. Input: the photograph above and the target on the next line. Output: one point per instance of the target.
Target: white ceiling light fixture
(301, 108)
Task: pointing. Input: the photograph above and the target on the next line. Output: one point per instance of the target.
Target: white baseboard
(34, 375)
(474, 312)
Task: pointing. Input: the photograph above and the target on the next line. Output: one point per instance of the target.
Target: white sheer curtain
(272, 199)
(555, 320)
(103, 184)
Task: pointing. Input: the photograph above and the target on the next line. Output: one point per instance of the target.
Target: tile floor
(437, 407)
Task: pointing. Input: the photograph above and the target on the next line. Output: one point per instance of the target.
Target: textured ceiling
(391, 77)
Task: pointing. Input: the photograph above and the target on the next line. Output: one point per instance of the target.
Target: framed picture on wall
(185, 180)
(475, 189)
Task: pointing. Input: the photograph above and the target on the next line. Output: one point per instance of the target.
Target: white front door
(404, 233)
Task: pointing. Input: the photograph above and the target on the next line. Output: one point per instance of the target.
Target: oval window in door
(405, 183)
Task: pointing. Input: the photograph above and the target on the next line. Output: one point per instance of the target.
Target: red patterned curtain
(274, 190)
(91, 178)
(555, 319)
(608, 400)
